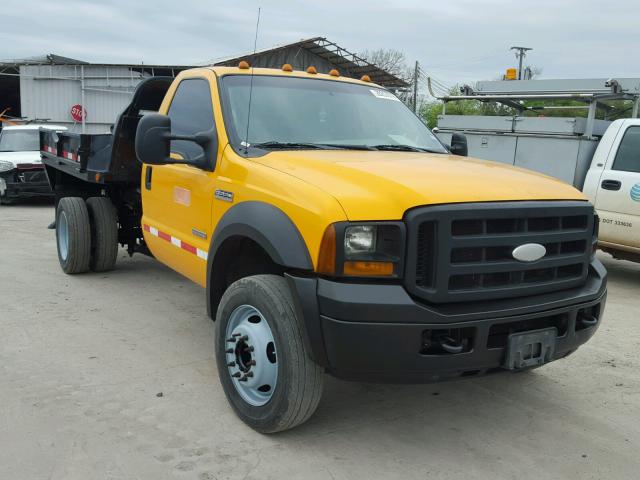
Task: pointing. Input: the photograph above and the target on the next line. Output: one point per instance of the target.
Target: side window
(628, 156)
(191, 112)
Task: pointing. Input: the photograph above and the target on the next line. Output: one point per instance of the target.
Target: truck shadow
(437, 407)
(621, 271)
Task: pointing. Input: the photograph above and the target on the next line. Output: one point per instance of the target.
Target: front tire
(73, 235)
(265, 369)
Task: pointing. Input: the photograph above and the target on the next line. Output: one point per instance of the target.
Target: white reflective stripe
(202, 254)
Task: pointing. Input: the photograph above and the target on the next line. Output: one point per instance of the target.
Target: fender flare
(266, 225)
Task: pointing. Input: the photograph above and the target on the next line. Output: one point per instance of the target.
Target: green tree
(429, 111)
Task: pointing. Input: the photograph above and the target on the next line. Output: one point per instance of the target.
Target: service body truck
(332, 232)
(600, 157)
(612, 183)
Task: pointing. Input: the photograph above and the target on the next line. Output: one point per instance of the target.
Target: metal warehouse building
(84, 97)
(87, 97)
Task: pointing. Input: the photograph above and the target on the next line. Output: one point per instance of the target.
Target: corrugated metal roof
(348, 63)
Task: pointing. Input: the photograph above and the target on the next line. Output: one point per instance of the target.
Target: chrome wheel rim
(62, 230)
(250, 353)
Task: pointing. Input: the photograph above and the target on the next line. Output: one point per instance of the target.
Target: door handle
(611, 184)
(147, 177)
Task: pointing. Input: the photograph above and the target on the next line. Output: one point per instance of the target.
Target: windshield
(19, 141)
(303, 113)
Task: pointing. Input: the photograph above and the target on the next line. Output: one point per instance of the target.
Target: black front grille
(465, 252)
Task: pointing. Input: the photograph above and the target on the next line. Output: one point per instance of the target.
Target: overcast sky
(454, 40)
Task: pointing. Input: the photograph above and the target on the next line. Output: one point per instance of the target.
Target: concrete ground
(112, 376)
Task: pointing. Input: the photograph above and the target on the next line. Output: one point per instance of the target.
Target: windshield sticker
(379, 93)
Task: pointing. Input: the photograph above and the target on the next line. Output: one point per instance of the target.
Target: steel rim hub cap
(251, 355)
(63, 235)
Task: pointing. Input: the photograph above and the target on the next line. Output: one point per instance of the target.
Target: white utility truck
(22, 174)
(599, 156)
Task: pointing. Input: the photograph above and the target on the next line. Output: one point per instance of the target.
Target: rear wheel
(73, 235)
(264, 367)
(104, 234)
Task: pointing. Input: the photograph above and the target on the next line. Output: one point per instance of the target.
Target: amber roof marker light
(365, 78)
(243, 65)
(312, 70)
(334, 73)
(287, 67)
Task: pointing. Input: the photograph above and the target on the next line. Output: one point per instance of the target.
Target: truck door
(177, 199)
(618, 197)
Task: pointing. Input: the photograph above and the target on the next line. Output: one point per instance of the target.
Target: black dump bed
(103, 158)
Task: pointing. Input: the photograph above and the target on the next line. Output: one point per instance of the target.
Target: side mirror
(153, 143)
(459, 144)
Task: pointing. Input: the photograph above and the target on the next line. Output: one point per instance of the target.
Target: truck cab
(613, 186)
(332, 232)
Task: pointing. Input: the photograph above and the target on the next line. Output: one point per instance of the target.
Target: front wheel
(264, 367)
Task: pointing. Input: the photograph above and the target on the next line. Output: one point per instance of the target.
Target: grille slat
(515, 266)
(474, 245)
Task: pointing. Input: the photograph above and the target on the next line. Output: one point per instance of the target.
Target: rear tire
(297, 382)
(104, 234)
(73, 235)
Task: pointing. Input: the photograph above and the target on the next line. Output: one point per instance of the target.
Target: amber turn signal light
(327, 256)
(368, 269)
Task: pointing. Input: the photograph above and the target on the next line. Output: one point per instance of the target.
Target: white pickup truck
(22, 174)
(613, 186)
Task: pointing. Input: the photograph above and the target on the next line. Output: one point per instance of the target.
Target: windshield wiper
(403, 148)
(346, 146)
(273, 145)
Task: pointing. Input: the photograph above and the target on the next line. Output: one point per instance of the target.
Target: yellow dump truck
(333, 233)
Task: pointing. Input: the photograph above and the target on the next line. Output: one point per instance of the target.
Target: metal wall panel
(49, 92)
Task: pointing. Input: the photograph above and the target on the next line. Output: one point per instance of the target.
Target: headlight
(6, 165)
(359, 239)
(371, 249)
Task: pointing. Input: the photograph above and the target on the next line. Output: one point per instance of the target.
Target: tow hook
(588, 320)
(450, 345)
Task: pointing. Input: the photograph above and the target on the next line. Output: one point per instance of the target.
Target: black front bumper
(20, 185)
(377, 332)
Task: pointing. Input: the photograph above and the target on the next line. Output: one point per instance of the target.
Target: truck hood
(21, 157)
(374, 185)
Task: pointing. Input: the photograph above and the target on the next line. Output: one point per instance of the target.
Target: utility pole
(415, 88)
(521, 52)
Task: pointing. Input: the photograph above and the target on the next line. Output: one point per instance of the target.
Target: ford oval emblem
(529, 252)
